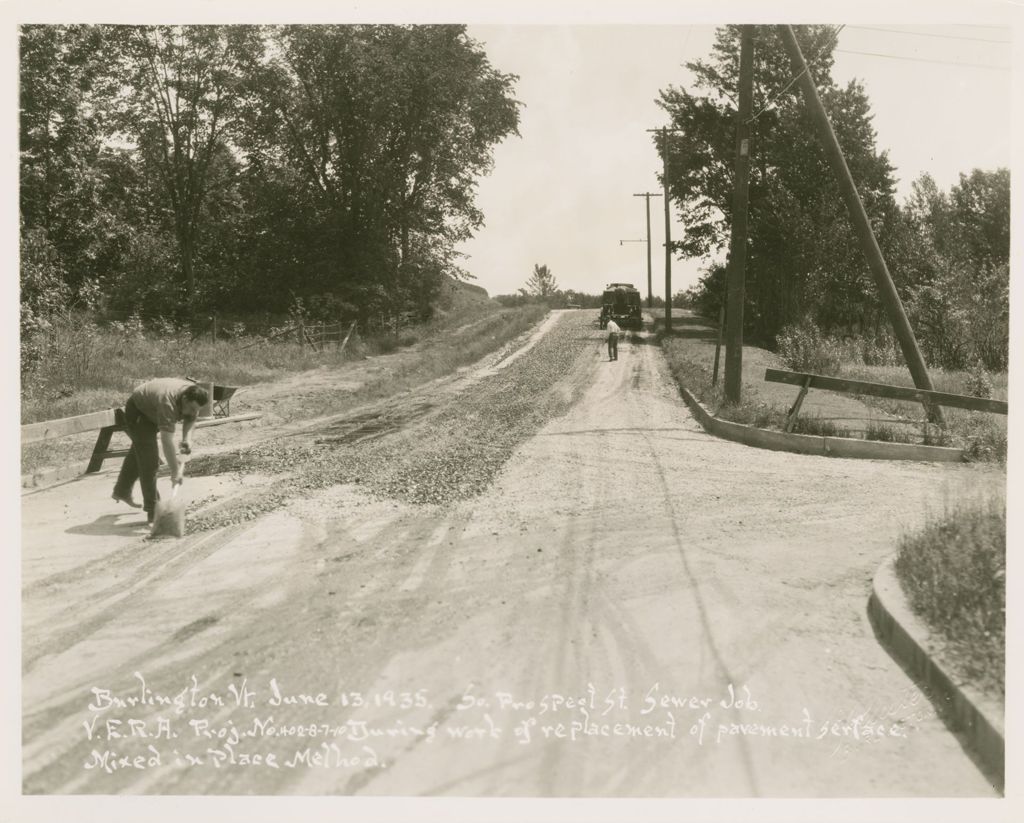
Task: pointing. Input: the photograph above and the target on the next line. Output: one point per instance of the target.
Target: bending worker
(154, 407)
(613, 340)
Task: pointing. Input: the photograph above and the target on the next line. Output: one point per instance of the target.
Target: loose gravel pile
(452, 453)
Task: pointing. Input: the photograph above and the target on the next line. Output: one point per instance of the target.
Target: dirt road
(632, 608)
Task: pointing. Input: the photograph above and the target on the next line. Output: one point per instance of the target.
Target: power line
(976, 26)
(789, 85)
(931, 34)
(924, 60)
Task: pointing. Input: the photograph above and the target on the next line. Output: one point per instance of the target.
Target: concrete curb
(51, 477)
(908, 640)
(815, 444)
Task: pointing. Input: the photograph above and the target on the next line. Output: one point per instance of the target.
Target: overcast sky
(561, 194)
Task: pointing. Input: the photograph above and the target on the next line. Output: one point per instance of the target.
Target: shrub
(885, 433)
(954, 573)
(979, 383)
(880, 352)
(748, 413)
(935, 436)
(384, 343)
(43, 296)
(820, 426)
(804, 347)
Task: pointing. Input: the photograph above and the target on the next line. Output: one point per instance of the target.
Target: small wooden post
(214, 318)
(351, 329)
(718, 345)
(795, 409)
(302, 333)
(100, 449)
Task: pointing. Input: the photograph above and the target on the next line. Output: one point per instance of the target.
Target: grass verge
(982, 436)
(696, 377)
(954, 574)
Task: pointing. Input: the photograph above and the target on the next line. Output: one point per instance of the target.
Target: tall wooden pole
(738, 246)
(861, 224)
(647, 197)
(663, 131)
(668, 232)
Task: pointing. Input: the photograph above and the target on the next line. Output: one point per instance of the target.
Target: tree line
(948, 252)
(167, 170)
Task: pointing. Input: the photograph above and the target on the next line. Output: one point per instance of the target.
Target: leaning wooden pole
(861, 224)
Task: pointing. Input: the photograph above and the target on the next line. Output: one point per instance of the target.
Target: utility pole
(663, 131)
(738, 245)
(647, 196)
(861, 224)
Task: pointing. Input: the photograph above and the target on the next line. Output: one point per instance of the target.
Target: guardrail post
(100, 449)
(795, 408)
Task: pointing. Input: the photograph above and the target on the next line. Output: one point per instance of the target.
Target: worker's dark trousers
(142, 461)
(613, 346)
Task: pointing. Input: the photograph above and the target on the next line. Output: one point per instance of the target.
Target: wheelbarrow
(222, 400)
(220, 403)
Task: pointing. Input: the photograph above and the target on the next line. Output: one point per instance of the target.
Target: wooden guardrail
(818, 381)
(106, 422)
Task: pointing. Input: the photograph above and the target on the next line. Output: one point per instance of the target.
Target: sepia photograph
(493, 413)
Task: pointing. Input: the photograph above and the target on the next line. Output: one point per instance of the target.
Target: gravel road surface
(543, 580)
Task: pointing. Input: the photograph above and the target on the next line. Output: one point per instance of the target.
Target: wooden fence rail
(107, 422)
(818, 381)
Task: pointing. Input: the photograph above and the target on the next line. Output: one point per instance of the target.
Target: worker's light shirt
(613, 327)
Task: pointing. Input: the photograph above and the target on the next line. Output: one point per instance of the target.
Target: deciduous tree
(388, 128)
(542, 282)
(802, 257)
(183, 87)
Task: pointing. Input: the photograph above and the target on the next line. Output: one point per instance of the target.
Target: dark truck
(621, 303)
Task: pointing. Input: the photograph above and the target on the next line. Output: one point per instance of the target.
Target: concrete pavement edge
(908, 640)
(815, 444)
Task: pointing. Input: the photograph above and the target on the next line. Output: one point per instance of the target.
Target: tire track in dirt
(105, 605)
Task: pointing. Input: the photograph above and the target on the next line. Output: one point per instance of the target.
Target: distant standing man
(156, 407)
(613, 340)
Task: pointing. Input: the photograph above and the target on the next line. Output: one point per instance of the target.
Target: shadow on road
(107, 524)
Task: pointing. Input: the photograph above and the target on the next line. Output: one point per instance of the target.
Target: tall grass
(697, 379)
(954, 574)
(804, 347)
(86, 367)
(983, 435)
